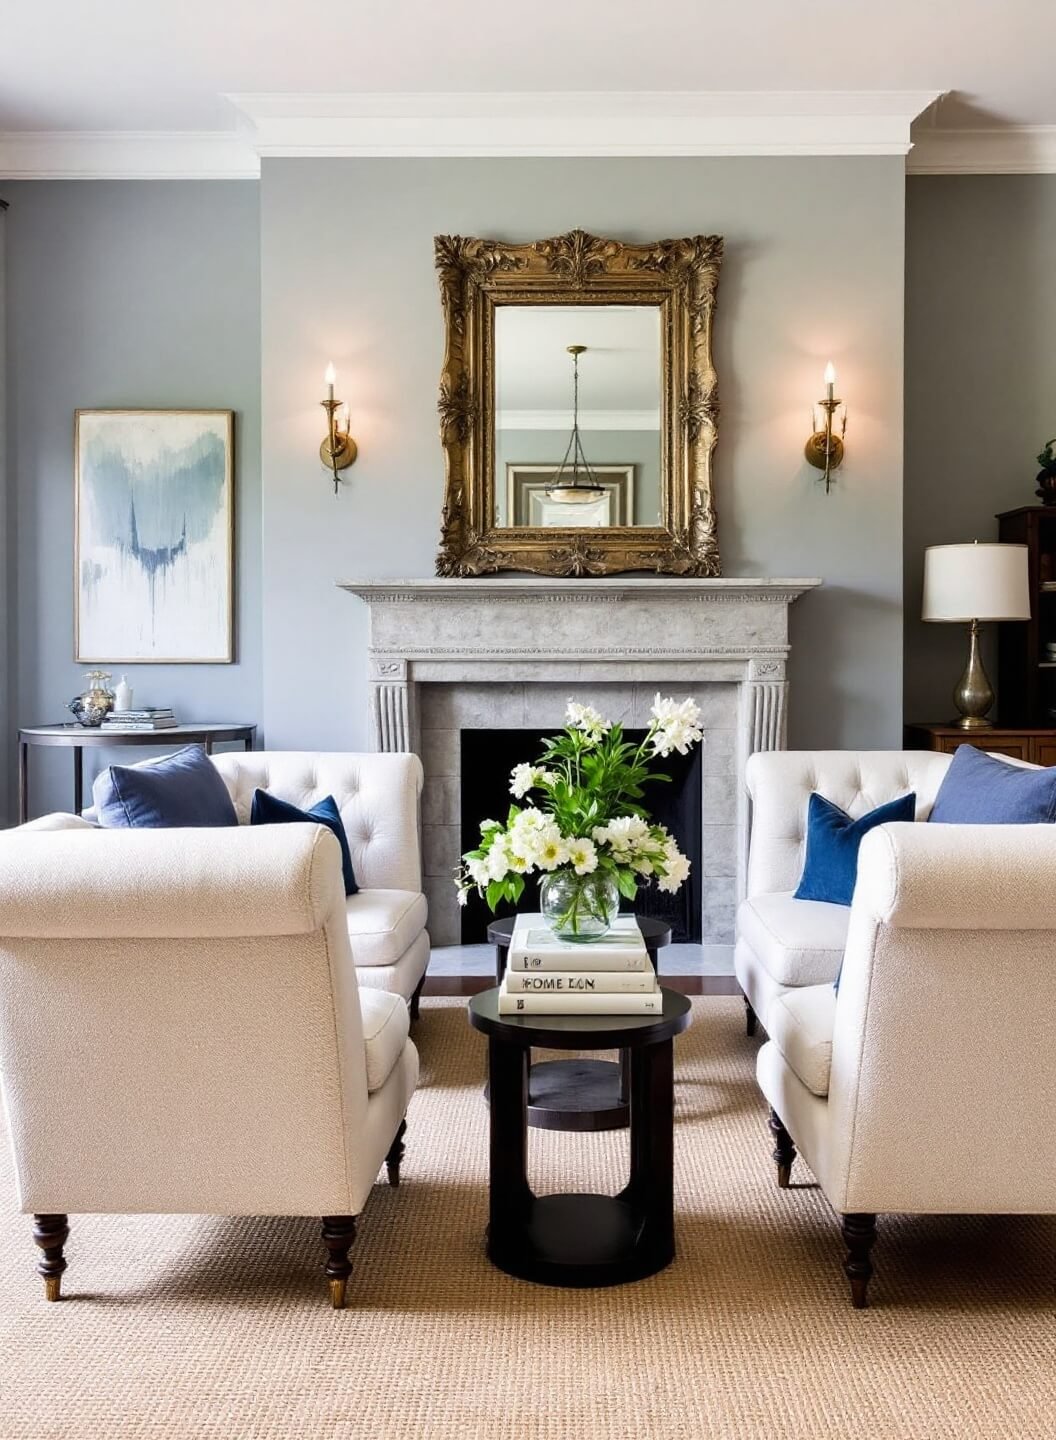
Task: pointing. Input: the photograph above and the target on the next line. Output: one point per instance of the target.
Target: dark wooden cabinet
(1038, 746)
(1026, 669)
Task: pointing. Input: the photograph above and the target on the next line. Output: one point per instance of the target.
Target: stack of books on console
(546, 975)
(148, 717)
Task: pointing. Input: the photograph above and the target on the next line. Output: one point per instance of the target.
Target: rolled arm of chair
(127, 884)
(958, 877)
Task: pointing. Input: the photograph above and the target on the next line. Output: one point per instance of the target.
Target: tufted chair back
(780, 782)
(378, 796)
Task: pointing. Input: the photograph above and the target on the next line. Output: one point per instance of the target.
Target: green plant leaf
(494, 894)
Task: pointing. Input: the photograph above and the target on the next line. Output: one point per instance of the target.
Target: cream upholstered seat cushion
(386, 1027)
(798, 942)
(800, 1025)
(382, 924)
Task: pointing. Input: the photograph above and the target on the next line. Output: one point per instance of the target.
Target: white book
(582, 982)
(651, 1004)
(540, 949)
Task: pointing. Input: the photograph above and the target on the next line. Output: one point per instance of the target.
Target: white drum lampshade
(969, 583)
(976, 582)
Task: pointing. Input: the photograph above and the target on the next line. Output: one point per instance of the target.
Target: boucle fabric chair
(919, 1087)
(378, 797)
(181, 1031)
(784, 943)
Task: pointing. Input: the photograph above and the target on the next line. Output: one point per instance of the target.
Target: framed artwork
(527, 502)
(154, 536)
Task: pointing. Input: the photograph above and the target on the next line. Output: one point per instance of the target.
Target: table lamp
(969, 584)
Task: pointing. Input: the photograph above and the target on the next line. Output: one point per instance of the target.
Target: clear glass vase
(580, 908)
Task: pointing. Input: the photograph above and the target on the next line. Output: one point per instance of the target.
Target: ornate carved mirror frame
(678, 276)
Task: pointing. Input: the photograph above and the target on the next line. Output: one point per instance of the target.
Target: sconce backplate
(814, 451)
(342, 456)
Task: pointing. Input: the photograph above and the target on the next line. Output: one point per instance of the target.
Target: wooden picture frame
(527, 484)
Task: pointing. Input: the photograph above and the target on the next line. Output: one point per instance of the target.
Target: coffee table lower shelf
(578, 1094)
(579, 1241)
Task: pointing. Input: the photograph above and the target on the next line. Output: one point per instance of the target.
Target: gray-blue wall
(347, 274)
(124, 293)
(980, 385)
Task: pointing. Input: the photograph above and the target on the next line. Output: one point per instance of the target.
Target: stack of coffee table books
(546, 975)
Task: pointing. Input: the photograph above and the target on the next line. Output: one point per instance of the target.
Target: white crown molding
(588, 420)
(126, 155)
(585, 123)
(1017, 150)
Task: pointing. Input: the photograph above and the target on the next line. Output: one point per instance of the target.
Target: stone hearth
(451, 655)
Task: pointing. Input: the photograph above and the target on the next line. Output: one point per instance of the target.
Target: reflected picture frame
(527, 503)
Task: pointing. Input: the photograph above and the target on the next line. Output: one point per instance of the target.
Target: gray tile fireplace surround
(453, 655)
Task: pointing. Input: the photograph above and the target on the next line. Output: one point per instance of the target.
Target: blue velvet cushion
(978, 789)
(184, 790)
(270, 810)
(831, 865)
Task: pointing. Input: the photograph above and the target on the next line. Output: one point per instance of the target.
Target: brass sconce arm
(824, 449)
(338, 450)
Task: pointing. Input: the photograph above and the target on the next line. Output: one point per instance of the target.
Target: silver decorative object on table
(92, 706)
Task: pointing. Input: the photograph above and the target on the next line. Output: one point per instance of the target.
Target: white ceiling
(619, 372)
(131, 66)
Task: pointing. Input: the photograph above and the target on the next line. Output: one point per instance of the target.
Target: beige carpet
(192, 1327)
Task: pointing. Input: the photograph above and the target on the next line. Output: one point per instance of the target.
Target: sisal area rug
(183, 1326)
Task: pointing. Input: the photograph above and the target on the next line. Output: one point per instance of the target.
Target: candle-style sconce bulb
(824, 449)
(338, 450)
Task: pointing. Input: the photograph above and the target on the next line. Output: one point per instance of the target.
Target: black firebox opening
(488, 756)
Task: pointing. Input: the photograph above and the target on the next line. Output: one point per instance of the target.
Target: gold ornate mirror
(578, 405)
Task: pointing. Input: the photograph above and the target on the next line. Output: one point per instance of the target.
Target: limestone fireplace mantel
(448, 657)
(558, 631)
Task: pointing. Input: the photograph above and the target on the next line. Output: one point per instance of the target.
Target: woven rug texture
(192, 1326)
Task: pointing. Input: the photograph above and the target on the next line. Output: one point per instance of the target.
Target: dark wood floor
(684, 984)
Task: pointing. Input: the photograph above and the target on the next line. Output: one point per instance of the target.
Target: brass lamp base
(974, 694)
(342, 455)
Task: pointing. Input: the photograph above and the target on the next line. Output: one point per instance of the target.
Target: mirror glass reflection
(577, 415)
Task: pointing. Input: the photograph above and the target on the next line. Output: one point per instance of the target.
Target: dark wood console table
(78, 738)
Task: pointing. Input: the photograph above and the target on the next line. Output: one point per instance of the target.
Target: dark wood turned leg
(784, 1150)
(51, 1233)
(339, 1231)
(414, 1004)
(750, 1018)
(395, 1155)
(859, 1235)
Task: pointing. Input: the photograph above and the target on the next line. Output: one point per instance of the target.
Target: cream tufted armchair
(181, 1031)
(378, 797)
(783, 943)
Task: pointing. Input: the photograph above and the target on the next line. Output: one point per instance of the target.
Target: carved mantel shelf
(546, 630)
(777, 591)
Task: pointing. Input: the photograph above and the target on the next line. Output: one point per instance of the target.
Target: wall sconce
(824, 449)
(338, 450)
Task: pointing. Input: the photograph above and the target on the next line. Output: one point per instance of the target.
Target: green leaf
(628, 883)
(514, 888)
(495, 893)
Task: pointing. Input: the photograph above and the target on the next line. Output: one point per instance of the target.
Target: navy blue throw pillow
(833, 838)
(270, 810)
(978, 789)
(182, 791)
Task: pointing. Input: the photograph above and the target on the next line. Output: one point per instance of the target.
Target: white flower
(586, 719)
(582, 855)
(675, 726)
(527, 832)
(486, 825)
(478, 871)
(677, 872)
(624, 834)
(551, 852)
(519, 864)
(498, 862)
(526, 777)
(463, 897)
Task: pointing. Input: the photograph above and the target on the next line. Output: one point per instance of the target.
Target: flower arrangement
(588, 834)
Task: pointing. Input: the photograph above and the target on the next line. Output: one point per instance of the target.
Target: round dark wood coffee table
(582, 1240)
(578, 1094)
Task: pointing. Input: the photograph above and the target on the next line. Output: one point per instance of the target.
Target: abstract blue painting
(154, 536)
